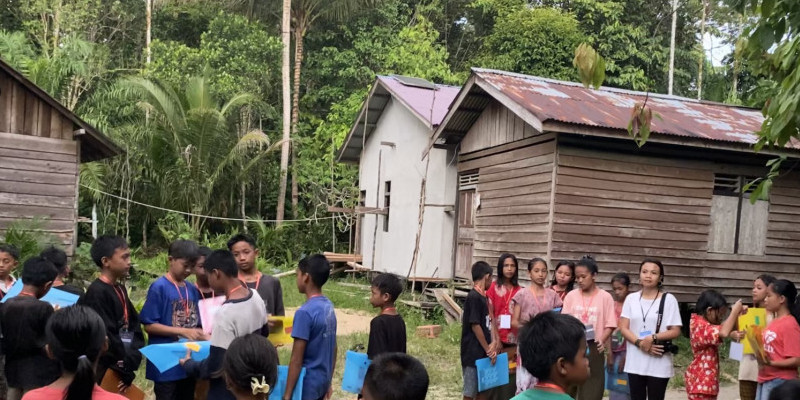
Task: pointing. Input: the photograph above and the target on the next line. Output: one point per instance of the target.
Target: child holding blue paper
(707, 330)
(477, 330)
(314, 333)
(169, 313)
(108, 297)
(242, 313)
(251, 367)
(24, 318)
(615, 359)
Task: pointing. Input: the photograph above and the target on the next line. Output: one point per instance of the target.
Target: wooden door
(466, 225)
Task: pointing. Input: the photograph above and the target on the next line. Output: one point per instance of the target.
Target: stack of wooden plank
(452, 311)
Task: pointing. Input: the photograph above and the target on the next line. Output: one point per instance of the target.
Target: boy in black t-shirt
(387, 331)
(24, 318)
(476, 331)
(109, 298)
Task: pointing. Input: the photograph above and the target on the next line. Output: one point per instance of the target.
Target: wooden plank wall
(23, 113)
(38, 162)
(783, 230)
(623, 208)
(497, 125)
(514, 190)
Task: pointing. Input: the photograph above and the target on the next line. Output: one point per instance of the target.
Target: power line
(200, 215)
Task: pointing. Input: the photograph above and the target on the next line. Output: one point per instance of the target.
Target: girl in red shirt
(500, 294)
(706, 333)
(781, 339)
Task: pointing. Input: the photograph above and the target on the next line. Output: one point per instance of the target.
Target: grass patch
(729, 369)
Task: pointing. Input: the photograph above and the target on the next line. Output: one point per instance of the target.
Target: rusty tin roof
(548, 100)
(427, 101)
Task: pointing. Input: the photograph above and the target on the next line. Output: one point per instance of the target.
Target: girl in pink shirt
(76, 337)
(781, 339)
(528, 303)
(595, 308)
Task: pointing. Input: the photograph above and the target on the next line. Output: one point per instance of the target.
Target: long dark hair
(785, 288)
(571, 265)
(248, 358)
(501, 279)
(76, 336)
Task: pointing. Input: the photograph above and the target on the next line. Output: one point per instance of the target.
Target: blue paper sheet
(167, 355)
(617, 381)
(280, 385)
(491, 376)
(54, 296)
(355, 368)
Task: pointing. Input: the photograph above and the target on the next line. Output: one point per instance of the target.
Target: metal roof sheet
(428, 105)
(568, 102)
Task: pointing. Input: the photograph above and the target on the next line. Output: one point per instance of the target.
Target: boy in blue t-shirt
(170, 312)
(314, 332)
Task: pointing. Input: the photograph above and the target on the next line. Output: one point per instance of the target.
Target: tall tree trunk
(299, 35)
(672, 46)
(285, 72)
(149, 26)
(56, 24)
(702, 60)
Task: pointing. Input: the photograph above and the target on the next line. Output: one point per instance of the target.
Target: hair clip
(259, 387)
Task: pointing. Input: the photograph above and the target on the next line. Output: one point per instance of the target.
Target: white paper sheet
(737, 350)
(505, 321)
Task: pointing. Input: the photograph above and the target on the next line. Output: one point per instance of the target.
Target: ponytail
(83, 383)
(76, 338)
(787, 289)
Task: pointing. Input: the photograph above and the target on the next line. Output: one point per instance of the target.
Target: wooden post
(420, 221)
(377, 200)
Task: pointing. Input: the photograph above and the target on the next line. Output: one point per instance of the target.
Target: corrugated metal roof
(430, 106)
(551, 100)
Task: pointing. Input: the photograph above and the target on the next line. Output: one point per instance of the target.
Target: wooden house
(406, 218)
(559, 177)
(41, 146)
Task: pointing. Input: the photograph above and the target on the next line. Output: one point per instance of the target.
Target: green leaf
(765, 36)
(599, 72)
(767, 7)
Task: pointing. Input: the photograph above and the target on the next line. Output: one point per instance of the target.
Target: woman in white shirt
(648, 366)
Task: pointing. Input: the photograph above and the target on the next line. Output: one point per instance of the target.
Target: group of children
(563, 336)
(65, 352)
(564, 341)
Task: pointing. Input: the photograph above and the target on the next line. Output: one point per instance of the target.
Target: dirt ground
(726, 392)
(347, 321)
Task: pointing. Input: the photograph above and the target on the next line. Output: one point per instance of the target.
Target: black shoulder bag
(668, 346)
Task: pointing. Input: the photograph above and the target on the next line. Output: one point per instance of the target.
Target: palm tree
(195, 155)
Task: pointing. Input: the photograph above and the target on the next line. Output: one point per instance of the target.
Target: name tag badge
(589, 332)
(644, 334)
(505, 321)
(127, 338)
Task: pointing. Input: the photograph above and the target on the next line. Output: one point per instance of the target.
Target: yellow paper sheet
(754, 317)
(280, 332)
